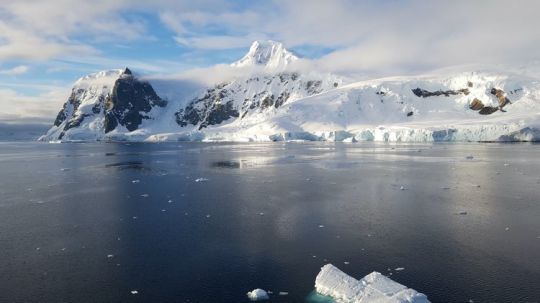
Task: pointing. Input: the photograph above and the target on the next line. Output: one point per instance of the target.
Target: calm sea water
(94, 222)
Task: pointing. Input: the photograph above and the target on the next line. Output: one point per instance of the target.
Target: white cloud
(17, 70)
(383, 36)
(41, 108)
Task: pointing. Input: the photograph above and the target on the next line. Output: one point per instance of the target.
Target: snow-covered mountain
(105, 102)
(274, 102)
(270, 54)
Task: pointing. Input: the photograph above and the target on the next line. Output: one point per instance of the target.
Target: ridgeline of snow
(89, 91)
(270, 54)
(374, 287)
(278, 104)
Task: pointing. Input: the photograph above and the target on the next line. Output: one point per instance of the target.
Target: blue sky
(45, 45)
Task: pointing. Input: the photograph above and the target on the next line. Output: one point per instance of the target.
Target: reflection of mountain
(273, 100)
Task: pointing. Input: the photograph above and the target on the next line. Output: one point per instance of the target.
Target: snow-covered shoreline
(275, 102)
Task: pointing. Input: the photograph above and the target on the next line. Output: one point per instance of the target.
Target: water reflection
(226, 164)
(269, 216)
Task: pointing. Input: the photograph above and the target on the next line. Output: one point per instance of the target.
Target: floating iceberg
(374, 287)
(257, 295)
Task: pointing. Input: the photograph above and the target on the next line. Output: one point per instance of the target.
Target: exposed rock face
(253, 95)
(499, 93)
(476, 104)
(425, 93)
(129, 101)
(488, 110)
(104, 100)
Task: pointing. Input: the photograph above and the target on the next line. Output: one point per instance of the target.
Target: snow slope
(273, 102)
(388, 110)
(270, 54)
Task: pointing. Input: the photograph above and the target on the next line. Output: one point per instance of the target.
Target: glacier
(271, 98)
(374, 287)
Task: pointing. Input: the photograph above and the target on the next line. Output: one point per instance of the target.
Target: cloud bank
(371, 37)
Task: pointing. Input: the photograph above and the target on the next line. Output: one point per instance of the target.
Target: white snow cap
(372, 288)
(257, 295)
(267, 53)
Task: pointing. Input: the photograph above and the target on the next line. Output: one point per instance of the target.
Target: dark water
(256, 221)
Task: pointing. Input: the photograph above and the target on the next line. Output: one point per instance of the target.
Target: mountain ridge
(282, 104)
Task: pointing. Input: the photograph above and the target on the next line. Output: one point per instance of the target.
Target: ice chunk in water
(374, 287)
(201, 180)
(257, 295)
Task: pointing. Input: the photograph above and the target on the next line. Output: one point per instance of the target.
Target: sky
(46, 45)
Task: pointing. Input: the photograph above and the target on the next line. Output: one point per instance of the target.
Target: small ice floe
(65, 169)
(402, 187)
(135, 217)
(283, 293)
(506, 164)
(399, 268)
(201, 180)
(346, 263)
(261, 214)
(134, 292)
(38, 248)
(163, 210)
(469, 157)
(170, 201)
(145, 195)
(374, 287)
(208, 216)
(507, 228)
(321, 226)
(258, 295)
(135, 181)
(110, 256)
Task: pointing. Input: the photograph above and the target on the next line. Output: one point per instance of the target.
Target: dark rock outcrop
(129, 101)
(236, 99)
(447, 93)
(501, 96)
(488, 110)
(476, 104)
(127, 104)
(210, 109)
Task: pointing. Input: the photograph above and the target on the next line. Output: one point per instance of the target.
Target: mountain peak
(266, 53)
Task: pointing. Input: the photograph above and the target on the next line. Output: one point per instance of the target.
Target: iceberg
(374, 287)
(257, 295)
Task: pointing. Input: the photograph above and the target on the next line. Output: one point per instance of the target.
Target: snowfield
(278, 104)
